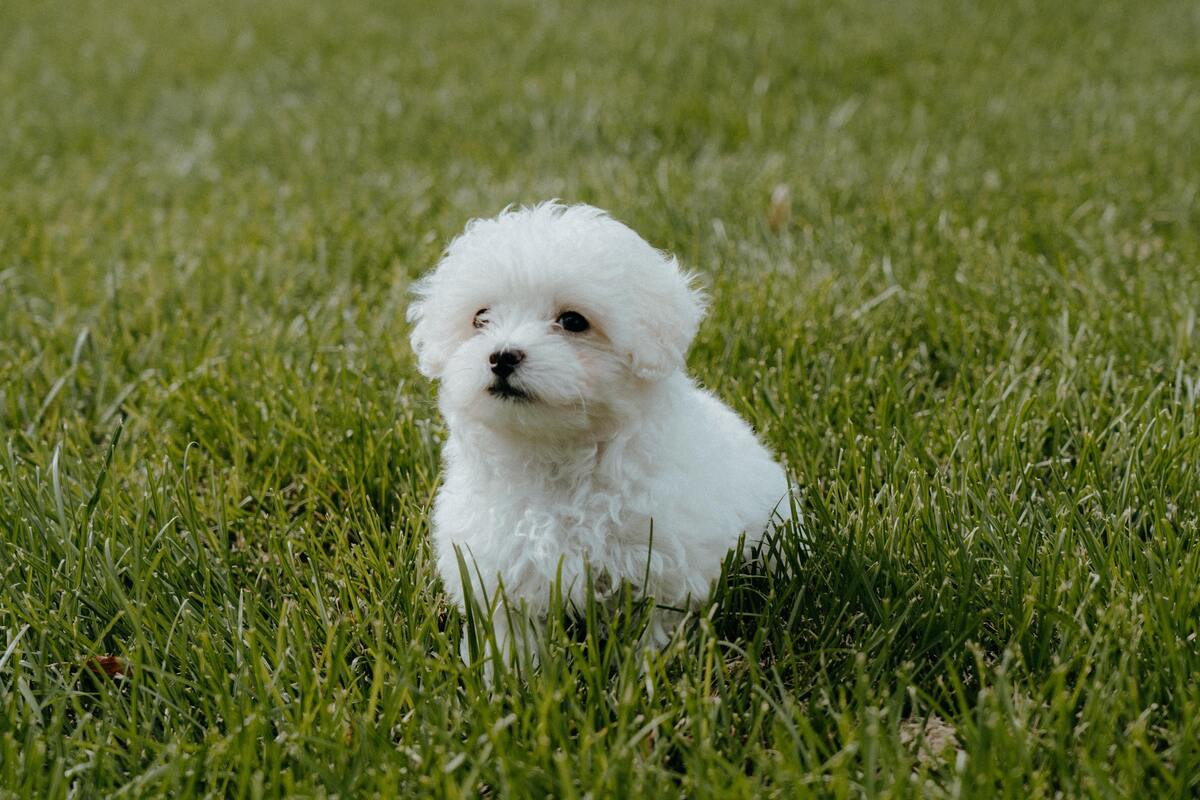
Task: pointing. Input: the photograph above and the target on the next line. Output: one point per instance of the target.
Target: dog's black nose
(505, 361)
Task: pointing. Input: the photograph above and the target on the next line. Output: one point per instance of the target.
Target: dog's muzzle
(504, 363)
(506, 391)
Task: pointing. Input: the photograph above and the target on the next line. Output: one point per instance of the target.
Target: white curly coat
(611, 439)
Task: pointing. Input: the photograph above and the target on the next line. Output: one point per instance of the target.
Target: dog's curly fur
(595, 436)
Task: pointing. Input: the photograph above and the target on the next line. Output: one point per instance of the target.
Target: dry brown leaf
(937, 738)
(108, 666)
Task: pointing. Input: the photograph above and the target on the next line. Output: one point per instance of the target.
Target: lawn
(954, 256)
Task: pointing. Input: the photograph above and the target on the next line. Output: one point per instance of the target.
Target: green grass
(973, 340)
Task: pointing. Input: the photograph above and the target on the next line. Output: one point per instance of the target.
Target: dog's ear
(427, 337)
(665, 314)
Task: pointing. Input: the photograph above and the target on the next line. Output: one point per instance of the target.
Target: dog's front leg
(508, 638)
(661, 627)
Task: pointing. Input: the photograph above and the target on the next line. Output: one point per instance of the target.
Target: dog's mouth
(506, 391)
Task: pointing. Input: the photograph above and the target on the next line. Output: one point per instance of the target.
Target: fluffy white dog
(558, 336)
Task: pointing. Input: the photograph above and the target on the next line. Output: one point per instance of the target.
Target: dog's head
(545, 318)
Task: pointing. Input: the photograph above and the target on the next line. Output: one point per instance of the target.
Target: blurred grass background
(966, 320)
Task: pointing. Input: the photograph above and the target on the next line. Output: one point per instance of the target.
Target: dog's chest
(581, 510)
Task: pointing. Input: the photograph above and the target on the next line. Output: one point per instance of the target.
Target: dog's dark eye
(479, 320)
(573, 322)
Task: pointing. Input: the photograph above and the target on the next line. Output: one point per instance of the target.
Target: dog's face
(545, 320)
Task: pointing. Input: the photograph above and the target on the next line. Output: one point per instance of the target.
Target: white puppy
(558, 336)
